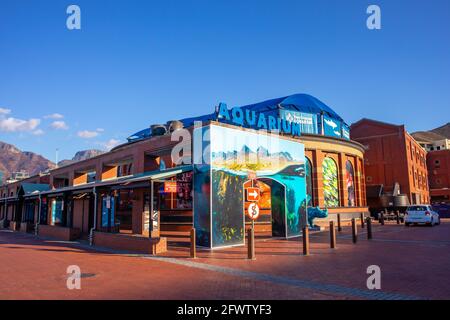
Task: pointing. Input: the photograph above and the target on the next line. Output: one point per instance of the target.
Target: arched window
(309, 183)
(350, 180)
(330, 183)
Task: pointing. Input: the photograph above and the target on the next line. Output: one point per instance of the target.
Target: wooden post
(362, 220)
(354, 231)
(251, 244)
(332, 235)
(193, 244)
(305, 241)
(339, 222)
(369, 228)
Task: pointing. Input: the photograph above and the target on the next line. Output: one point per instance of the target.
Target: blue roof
(32, 188)
(296, 102)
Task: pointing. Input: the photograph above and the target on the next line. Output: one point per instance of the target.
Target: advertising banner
(332, 127)
(307, 121)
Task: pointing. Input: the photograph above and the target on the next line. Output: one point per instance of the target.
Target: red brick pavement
(413, 261)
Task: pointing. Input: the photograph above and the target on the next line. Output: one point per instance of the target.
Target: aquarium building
(295, 150)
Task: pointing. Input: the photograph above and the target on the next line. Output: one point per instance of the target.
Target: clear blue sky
(135, 63)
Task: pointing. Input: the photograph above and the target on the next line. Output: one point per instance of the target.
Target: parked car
(421, 214)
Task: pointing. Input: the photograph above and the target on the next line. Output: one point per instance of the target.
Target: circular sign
(253, 211)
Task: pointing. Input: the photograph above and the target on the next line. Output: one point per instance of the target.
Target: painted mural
(330, 183)
(309, 183)
(236, 155)
(350, 180)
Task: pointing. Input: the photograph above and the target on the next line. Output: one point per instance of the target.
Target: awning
(124, 181)
(159, 174)
(32, 189)
(10, 199)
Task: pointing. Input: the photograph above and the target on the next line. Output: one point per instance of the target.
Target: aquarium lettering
(249, 118)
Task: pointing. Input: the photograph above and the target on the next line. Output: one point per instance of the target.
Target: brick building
(438, 163)
(393, 156)
(123, 198)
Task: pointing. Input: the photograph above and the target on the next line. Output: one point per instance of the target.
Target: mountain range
(12, 159)
(440, 133)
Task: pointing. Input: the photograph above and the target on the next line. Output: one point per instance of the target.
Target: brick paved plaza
(414, 264)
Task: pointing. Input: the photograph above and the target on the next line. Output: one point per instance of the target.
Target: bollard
(332, 235)
(362, 220)
(354, 231)
(369, 228)
(382, 218)
(193, 244)
(397, 214)
(305, 241)
(339, 222)
(251, 244)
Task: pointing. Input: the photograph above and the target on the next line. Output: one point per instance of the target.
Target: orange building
(393, 157)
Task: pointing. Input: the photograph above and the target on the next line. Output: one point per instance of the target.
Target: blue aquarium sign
(258, 120)
(307, 121)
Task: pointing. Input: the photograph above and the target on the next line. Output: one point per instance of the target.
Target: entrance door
(271, 221)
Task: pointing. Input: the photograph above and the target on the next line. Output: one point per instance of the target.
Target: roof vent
(158, 129)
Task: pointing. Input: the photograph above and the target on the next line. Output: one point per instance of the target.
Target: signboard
(170, 187)
(307, 121)
(345, 132)
(252, 194)
(253, 211)
(332, 127)
(256, 120)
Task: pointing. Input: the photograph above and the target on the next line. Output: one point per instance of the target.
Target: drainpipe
(36, 229)
(91, 233)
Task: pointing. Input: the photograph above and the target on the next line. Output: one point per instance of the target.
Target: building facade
(438, 163)
(138, 191)
(393, 158)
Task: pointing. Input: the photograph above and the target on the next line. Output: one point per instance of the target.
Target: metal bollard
(193, 244)
(251, 244)
(362, 220)
(397, 214)
(332, 235)
(369, 228)
(339, 222)
(354, 231)
(305, 241)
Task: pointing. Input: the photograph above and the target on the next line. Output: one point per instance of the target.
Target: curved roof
(296, 102)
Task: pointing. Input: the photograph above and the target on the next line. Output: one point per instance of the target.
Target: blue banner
(345, 132)
(332, 127)
(307, 121)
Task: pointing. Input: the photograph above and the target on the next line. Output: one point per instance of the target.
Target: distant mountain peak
(80, 156)
(12, 159)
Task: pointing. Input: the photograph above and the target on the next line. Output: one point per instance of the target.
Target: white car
(421, 214)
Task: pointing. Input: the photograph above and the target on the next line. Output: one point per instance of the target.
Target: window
(309, 183)
(437, 163)
(330, 183)
(350, 178)
(125, 170)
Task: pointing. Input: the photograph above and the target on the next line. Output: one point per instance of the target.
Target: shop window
(350, 180)
(309, 183)
(57, 212)
(330, 183)
(182, 198)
